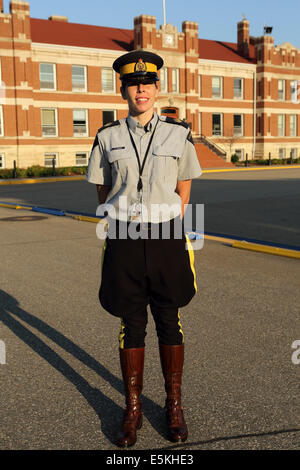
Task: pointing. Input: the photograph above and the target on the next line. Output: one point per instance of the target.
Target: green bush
(234, 158)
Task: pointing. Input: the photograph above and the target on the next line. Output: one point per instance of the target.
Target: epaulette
(109, 124)
(179, 122)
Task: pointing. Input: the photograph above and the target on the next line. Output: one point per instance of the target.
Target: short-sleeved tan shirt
(171, 157)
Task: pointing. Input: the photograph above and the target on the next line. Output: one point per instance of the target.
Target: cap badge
(140, 66)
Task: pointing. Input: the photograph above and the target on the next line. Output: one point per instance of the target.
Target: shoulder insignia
(109, 124)
(190, 138)
(179, 122)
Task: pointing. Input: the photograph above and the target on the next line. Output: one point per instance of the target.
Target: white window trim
(177, 80)
(221, 88)
(242, 125)
(111, 110)
(294, 98)
(199, 86)
(80, 90)
(294, 150)
(242, 153)
(109, 92)
(49, 154)
(56, 124)
(83, 134)
(200, 123)
(3, 161)
(296, 123)
(284, 86)
(80, 153)
(221, 122)
(283, 134)
(282, 148)
(242, 89)
(1, 121)
(54, 76)
(165, 89)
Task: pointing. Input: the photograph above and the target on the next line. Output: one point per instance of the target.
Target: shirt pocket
(120, 159)
(165, 163)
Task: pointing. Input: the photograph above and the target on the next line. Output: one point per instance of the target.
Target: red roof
(102, 37)
(81, 35)
(227, 51)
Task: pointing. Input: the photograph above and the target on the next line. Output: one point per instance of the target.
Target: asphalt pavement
(61, 386)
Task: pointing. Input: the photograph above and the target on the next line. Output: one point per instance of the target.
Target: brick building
(58, 88)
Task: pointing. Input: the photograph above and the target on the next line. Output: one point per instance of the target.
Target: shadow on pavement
(108, 411)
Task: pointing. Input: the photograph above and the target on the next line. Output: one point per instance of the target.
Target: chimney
(243, 37)
(63, 19)
(1, 6)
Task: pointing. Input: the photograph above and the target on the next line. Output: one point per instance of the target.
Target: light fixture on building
(268, 29)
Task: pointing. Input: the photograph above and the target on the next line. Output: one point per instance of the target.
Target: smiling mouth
(142, 100)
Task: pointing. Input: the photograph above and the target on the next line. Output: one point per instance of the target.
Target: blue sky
(217, 19)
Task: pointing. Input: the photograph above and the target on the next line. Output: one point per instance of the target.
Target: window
(293, 125)
(81, 159)
(2, 161)
(217, 124)
(281, 125)
(47, 77)
(48, 159)
(164, 80)
(293, 153)
(237, 124)
(281, 90)
(238, 88)
(200, 123)
(80, 127)
(108, 116)
(79, 78)
(175, 80)
(239, 153)
(199, 85)
(1, 122)
(108, 80)
(49, 122)
(217, 87)
(281, 153)
(294, 90)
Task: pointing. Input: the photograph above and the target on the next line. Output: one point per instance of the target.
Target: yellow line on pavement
(272, 250)
(285, 167)
(43, 180)
(85, 218)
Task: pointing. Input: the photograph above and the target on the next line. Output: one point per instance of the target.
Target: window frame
(283, 90)
(242, 125)
(199, 85)
(114, 80)
(1, 121)
(164, 70)
(80, 90)
(294, 94)
(47, 154)
(86, 133)
(221, 87)
(56, 121)
(221, 125)
(81, 153)
(176, 70)
(283, 128)
(294, 134)
(2, 156)
(109, 110)
(240, 152)
(283, 150)
(241, 97)
(54, 76)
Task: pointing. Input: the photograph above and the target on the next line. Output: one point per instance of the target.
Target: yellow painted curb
(85, 218)
(15, 206)
(44, 180)
(219, 239)
(285, 167)
(272, 250)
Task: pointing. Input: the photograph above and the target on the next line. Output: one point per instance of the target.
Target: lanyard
(141, 167)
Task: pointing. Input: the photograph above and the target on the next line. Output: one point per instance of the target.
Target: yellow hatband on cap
(137, 67)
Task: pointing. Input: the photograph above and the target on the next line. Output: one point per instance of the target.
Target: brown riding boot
(132, 366)
(171, 358)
